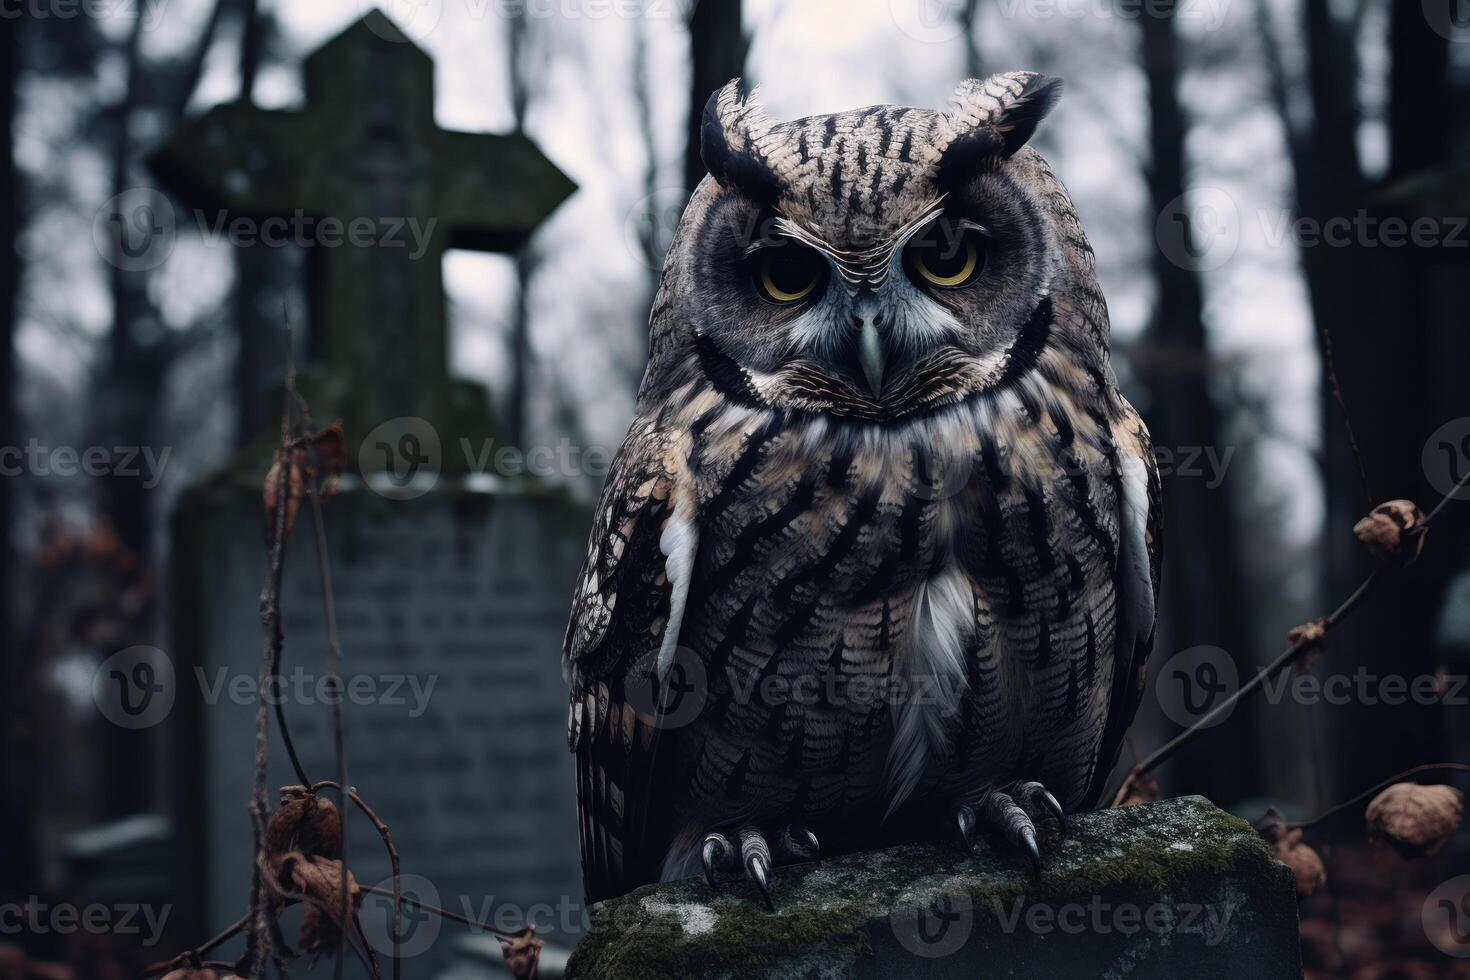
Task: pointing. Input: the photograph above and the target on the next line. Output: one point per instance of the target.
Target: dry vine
(306, 836)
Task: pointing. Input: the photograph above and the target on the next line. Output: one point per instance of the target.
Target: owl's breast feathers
(879, 611)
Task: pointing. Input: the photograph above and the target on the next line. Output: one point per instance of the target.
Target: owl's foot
(1007, 814)
(754, 855)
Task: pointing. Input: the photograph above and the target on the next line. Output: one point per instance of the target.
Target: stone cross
(364, 175)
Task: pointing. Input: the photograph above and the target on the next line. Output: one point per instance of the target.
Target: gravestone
(451, 581)
(1163, 890)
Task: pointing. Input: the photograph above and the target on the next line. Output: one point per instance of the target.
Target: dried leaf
(1304, 862)
(1139, 787)
(522, 953)
(303, 822)
(1415, 819)
(1313, 639)
(320, 880)
(1393, 532)
(320, 455)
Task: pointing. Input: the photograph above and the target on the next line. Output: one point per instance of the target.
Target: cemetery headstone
(451, 581)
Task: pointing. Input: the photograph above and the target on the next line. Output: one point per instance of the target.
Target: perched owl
(879, 557)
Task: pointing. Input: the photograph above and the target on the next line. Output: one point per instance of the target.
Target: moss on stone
(826, 915)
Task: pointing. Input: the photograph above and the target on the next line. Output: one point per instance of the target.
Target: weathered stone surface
(1171, 889)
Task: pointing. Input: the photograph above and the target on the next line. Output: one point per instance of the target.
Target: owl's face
(864, 263)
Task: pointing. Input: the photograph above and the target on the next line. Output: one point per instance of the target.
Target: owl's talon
(965, 817)
(755, 854)
(716, 851)
(809, 839)
(1036, 797)
(1028, 844)
(1001, 814)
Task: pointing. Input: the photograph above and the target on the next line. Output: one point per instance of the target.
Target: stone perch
(1171, 889)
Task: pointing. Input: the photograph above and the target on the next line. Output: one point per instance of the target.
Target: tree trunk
(1203, 596)
(717, 49)
(257, 330)
(14, 807)
(1401, 356)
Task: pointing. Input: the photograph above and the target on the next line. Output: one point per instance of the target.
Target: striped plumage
(889, 598)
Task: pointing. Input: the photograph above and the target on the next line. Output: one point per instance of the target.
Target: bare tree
(527, 61)
(717, 49)
(257, 330)
(1204, 594)
(13, 865)
(1392, 347)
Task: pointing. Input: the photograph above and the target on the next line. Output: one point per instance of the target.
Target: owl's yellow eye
(945, 256)
(787, 274)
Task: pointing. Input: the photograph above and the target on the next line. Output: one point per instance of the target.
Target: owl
(879, 557)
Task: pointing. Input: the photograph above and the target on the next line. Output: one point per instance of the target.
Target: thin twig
(334, 647)
(1161, 755)
(1287, 657)
(257, 939)
(1370, 791)
(192, 956)
(1347, 420)
(501, 934)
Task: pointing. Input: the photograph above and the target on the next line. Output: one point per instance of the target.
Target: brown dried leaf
(321, 454)
(1313, 639)
(303, 822)
(1393, 532)
(1304, 862)
(522, 953)
(1139, 787)
(320, 880)
(1414, 819)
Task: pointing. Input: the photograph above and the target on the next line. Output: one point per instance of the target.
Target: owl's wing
(624, 626)
(1137, 586)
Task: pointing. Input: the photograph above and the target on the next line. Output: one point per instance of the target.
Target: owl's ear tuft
(994, 117)
(728, 144)
(1024, 113)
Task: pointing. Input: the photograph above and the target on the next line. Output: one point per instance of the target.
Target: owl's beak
(872, 352)
(871, 356)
